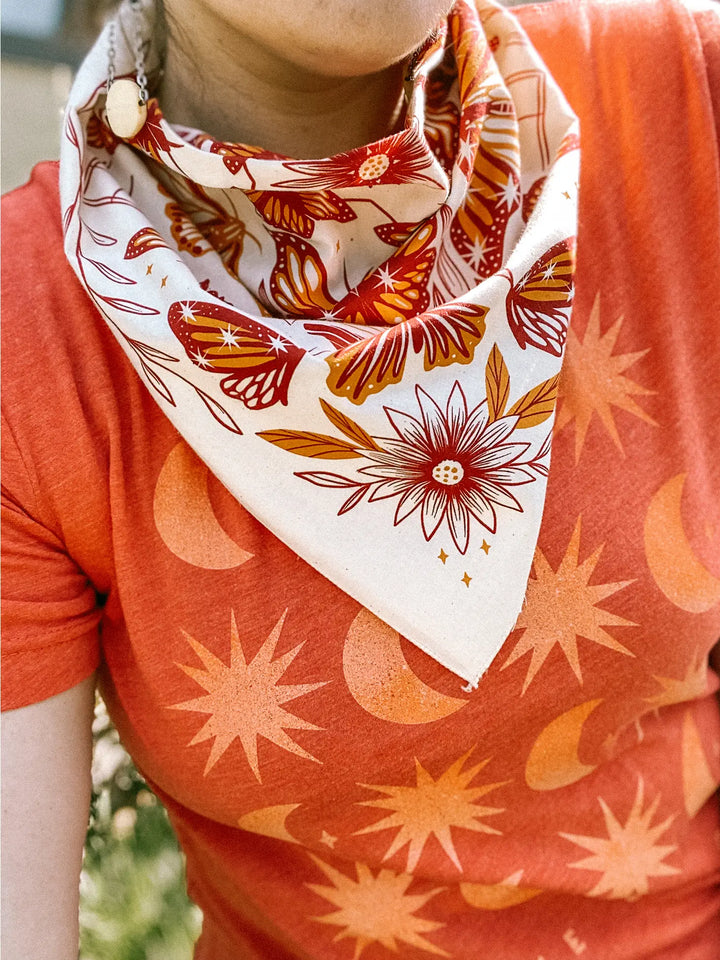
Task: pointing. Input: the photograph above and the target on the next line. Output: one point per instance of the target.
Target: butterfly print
(298, 212)
(257, 362)
(538, 305)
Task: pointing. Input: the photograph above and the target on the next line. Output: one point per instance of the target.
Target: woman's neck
(220, 81)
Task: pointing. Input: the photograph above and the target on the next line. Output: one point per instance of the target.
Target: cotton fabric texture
(336, 791)
(364, 349)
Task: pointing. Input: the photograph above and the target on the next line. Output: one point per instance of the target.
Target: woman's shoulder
(37, 281)
(63, 371)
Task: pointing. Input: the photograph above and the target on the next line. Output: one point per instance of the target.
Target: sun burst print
(629, 855)
(560, 606)
(691, 687)
(376, 909)
(245, 700)
(593, 381)
(433, 807)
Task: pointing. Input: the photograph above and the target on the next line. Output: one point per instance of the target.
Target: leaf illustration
(347, 426)
(310, 444)
(101, 239)
(354, 499)
(537, 404)
(219, 412)
(151, 353)
(497, 383)
(321, 479)
(156, 383)
(129, 306)
(109, 273)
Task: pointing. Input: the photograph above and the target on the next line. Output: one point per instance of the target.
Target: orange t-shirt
(337, 793)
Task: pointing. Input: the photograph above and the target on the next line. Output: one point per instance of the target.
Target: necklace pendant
(126, 111)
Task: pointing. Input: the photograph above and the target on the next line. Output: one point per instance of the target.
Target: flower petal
(457, 413)
(409, 502)
(500, 456)
(511, 476)
(435, 424)
(480, 508)
(458, 519)
(390, 488)
(473, 430)
(396, 452)
(498, 431)
(433, 510)
(392, 472)
(407, 428)
(503, 498)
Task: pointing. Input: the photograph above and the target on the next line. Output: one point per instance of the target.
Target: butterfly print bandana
(364, 348)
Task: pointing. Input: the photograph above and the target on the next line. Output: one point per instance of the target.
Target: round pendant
(126, 113)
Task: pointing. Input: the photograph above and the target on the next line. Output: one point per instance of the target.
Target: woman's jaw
(301, 77)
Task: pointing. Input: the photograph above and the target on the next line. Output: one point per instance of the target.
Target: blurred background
(133, 900)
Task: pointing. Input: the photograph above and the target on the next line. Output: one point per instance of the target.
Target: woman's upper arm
(46, 756)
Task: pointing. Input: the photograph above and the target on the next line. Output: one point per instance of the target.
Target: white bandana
(364, 349)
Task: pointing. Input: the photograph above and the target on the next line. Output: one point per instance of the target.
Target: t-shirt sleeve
(707, 22)
(50, 611)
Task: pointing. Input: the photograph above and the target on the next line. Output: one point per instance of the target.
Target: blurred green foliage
(133, 900)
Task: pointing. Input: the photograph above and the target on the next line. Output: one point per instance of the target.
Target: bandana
(364, 349)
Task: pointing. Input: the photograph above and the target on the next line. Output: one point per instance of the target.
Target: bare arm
(46, 755)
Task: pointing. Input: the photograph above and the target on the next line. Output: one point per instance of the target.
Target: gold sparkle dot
(148, 270)
(442, 556)
(485, 547)
(466, 579)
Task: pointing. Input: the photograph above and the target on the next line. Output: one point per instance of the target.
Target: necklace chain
(137, 43)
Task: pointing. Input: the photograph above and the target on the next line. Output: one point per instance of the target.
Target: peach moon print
(184, 516)
(270, 821)
(380, 680)
(498, 896)
(699, 784)
(675, 568)
(553, 761)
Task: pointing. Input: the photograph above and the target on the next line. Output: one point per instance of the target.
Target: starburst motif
(478, 252)
(229, 337)
(385, 278)
(376, 909)
(593, 381)
(628, 857)
(692, 686)
(560, 606)
(244, 699)
(200, 358)
(433, 807)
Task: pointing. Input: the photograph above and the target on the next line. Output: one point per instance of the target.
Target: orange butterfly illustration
(257, 362)
(297, 212)
(443, 336)
(398, 290)
(538, 305)
(298, 282)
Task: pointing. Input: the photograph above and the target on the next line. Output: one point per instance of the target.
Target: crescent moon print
(553, 761)
(184, 516)
(699, 784)
(675, 568)
(270, 821)
(380, 680)
(498, 896)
